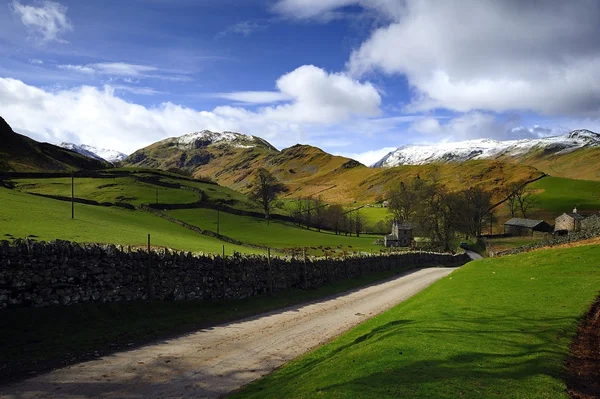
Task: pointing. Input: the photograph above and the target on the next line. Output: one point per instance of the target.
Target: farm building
(526, 227)
(568, 222)
(401, 235)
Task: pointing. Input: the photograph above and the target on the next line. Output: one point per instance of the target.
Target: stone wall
(62, 273)
(551, 242)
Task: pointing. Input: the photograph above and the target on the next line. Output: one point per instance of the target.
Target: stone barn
(401, 235)
(570, 222)
(526, 227)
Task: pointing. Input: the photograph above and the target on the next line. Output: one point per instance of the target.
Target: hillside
(22, 154)
(574, 155)
(231, 158)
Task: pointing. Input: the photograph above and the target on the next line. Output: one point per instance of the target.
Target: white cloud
(99, 117)
(311, 9)
(254, 97)
(46, 22)
(77, 68)
(466, 55)
(35, 61)
(125, 70)
(244, 28)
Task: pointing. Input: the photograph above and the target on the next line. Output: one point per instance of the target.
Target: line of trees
(314, 213)
(438, 213)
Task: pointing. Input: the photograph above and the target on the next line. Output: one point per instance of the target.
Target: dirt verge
(583, 364)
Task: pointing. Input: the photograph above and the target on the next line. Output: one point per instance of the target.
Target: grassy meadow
(496, 328)
(276, 234)
(23, 215)
(555, 195)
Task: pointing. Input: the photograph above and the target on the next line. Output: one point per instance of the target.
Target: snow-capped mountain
(89, 151)
(206, 138)
(487, 149)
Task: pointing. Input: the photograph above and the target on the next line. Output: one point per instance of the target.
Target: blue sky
(354, 77)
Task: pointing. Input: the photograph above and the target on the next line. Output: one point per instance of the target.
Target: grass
(37, 342)
(47, 219)
(556, 195)
(119, 189)
(276, 234)
(496, 328)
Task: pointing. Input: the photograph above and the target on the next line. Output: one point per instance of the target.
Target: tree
(334, 215)
(511, 198)
(319, 207)
(265, 190)
(472, 210)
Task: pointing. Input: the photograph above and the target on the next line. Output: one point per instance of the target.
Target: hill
(19, 153)
(574, 155)
(231, 159)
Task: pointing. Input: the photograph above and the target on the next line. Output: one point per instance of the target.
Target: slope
(22, 154)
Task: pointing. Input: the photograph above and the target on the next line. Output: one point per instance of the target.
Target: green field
(119, 189)
(556, 195)
(496, 328)
(23, 215)
(131, 190)
(276, 234)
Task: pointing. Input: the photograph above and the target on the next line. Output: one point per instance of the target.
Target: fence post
(149, 273)
(270, 271)
(305, 270)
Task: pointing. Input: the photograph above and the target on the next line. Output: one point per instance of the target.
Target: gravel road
(213, 362)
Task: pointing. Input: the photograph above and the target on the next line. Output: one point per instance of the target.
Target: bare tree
(511, 197)
(319, 211)
(334, 215)
(359, 222)
(526, 201)
(265, 190)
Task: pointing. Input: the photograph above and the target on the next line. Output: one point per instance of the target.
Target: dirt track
(213, 362)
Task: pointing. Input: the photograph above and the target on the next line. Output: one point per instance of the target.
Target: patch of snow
(100, 154)
(206, 137)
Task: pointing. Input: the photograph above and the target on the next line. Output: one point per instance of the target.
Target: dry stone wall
(62, 273)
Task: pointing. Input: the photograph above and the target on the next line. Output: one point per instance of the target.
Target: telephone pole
(73, 196)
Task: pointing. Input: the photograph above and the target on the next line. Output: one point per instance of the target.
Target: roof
(575, 216)
(529, 223)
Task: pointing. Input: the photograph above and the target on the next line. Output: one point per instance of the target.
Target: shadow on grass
(402, 359)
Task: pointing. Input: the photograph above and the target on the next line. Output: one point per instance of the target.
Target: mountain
(232, 158)
(19, 153)
(532, 150)
(100, 154)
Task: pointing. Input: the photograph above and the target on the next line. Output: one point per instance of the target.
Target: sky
(357, 78)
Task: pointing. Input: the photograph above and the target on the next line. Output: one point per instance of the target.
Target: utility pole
(73, 196)
(157, 195)
(218, 223)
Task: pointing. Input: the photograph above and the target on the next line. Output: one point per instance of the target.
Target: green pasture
(23, 215)
(275, 234)
(118, 189)
(557, 195)
(496, 328)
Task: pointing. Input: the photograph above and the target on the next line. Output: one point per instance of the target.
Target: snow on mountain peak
(486, 149)
(89, 151)
(205, 138)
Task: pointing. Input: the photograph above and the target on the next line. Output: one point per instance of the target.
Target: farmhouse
(526, 227)
(401, 235)
(568, 222)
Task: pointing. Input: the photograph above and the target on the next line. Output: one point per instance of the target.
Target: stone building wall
(63, 273)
